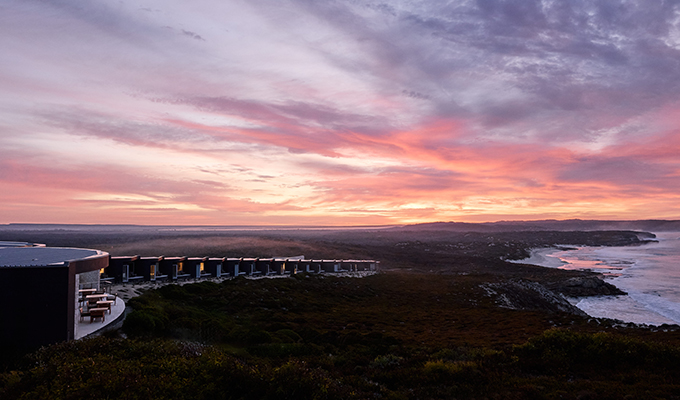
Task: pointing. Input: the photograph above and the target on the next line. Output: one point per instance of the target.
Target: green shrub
(201, 288)
(283, 350)
(386, 361)
(444, 371)
(559, 350)
(174, 292)
(287, 336)
(143, 323)
(301, 276)
(213, 330)
(250, 336)
(296, 380)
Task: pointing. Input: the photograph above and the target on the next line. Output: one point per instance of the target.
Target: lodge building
(42, 289)
(39, 291)
(130, 269)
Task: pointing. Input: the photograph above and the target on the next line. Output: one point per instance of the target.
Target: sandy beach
(542, 256)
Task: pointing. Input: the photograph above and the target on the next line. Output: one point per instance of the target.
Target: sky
(322, 112)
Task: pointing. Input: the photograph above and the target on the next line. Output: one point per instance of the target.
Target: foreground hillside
(399, 336)
(449, 319)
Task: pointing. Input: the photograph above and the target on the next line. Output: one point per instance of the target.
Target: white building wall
(88, 280)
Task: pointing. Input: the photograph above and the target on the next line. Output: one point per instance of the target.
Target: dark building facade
(173, 267)
(195, 266)
(148, 268)
(215, 266)
(121, 268)
(39, 292)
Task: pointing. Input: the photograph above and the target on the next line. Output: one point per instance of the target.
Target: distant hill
(650, 225)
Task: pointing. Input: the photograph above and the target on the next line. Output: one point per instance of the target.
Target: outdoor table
(84, 292)
(97, 313)
(93, 298)
(105, 304)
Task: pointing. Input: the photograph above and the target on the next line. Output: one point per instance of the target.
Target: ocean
(649, 273)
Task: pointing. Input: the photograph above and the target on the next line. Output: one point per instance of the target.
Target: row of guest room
(41, 287)
(131, 269)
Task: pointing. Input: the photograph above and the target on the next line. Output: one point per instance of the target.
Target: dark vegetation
(432, 327)
(392, 335)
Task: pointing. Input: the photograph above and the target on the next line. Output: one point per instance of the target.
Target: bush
(386, 361)
(440, 371)
(143, 323)
(296, 380)
(174, 292)
(283, 350)
(560, 350)
(287, 336)
(250, 336)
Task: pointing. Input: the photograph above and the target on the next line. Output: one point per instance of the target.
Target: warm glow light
(336, 113)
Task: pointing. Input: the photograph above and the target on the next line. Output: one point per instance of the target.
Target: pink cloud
(337, 112)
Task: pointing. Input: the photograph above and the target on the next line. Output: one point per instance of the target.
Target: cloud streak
(335, 112)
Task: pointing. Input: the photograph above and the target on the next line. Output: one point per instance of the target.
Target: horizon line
(9, 224)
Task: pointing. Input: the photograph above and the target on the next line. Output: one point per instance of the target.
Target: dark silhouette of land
(449, 317)
(440, 248)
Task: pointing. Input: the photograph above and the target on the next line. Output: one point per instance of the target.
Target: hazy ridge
(653, 225)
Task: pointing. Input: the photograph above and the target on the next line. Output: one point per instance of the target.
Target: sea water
(649, 273)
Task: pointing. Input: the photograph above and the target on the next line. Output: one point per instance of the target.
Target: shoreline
(625, 309)
(541, 257)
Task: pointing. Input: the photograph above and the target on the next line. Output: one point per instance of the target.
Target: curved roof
(44, 256)
(19, 244)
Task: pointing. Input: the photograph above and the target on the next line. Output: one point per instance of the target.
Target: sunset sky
(320, 112)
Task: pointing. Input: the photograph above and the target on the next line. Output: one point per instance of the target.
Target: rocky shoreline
(550, 296)
(527, 295)
(584, 286)
(555, 298)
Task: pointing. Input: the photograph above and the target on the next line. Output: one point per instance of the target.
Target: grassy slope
(387, 336)
(396, 335)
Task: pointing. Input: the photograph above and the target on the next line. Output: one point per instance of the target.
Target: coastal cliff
(583, 286)
(521, 294)
(527, 295)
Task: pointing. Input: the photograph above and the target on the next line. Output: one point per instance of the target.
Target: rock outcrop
(527, 295)
(583, 286)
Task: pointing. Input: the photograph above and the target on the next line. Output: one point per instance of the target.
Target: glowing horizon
(331, 113)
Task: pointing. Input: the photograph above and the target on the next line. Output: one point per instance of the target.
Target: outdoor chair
(83, 314)
(105, 304)
(98, 313)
